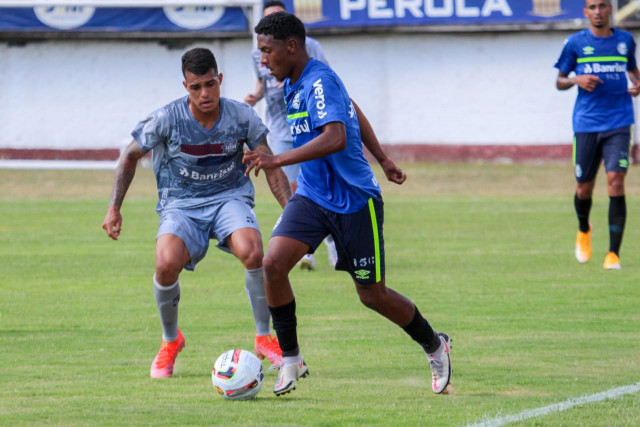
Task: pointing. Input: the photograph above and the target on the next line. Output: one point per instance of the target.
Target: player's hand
(112, 223)
(635, 89)
(257, 161)
(251, 99)
(588, 82)
(393, 172)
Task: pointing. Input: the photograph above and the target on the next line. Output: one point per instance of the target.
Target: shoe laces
(270, 343)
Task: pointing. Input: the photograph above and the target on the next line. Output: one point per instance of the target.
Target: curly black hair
(281, 26)
(272, 3)
(199, 61)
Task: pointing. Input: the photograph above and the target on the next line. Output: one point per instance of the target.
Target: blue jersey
(342, 182)
(609, 106)
(195, 166)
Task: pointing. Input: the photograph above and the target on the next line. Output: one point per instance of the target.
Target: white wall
(494, 88)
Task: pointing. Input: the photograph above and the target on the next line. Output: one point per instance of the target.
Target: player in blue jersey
(602, 58)
(337, 194)
(269, 88)
(203, 192)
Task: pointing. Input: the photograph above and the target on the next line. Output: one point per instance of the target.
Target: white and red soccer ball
(237, 375)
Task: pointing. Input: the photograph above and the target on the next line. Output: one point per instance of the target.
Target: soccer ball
(237, 375)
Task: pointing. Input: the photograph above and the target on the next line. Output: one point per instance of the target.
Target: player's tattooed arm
(276, 178)
(125, 171)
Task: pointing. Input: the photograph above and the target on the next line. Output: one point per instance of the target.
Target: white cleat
(331, 250)
(288, 375)
(441, 365)
(308, 262)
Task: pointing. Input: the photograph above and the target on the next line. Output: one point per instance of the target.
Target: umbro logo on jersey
(588, 50)
(318, 90)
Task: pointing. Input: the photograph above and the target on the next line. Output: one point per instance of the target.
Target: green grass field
(484, 250)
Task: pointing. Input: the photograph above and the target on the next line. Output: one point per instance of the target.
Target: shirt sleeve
(153, 130)
(326, 101)
(568, 58)
(256, 130)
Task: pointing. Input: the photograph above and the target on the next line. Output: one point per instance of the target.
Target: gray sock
(167, 299)
(254, 283)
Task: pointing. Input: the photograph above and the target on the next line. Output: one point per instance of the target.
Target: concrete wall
(469, 89)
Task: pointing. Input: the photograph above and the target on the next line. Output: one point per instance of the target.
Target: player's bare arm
(634, 76)
(332, 139)
(276, 178)
(370, 140)
(587, 82)
(125, 172)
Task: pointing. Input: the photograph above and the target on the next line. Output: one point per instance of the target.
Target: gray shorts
(197, 225)
(279, 147)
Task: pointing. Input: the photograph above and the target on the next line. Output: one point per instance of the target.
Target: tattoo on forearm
(279, 185)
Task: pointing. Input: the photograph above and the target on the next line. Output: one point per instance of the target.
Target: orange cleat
(611, 262)
(162, 366)
(267, 346)
(583, 246)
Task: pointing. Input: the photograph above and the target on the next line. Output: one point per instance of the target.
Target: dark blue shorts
(589, 149)
(358, 236)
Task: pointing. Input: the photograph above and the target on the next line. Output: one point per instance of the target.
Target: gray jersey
(276, 112)
(195, 166)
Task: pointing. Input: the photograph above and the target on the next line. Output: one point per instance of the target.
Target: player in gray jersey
(280, 139)
(197, 144)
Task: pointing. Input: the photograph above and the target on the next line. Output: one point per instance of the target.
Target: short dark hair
(272, 3)
(281, 25)
(199, 61)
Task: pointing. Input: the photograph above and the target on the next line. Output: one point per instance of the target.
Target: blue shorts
(589, 149)
(196, 226)
(279, 147)
(358, 236)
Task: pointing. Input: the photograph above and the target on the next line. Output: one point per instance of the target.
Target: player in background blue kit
(601, 58)
(203, 193)
(337, 194)
(269, 88)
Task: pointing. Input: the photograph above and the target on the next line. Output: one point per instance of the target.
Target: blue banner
(90, 19)
(373, 13)
(317, 14)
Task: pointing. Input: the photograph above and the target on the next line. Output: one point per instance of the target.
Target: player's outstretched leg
(293, 368)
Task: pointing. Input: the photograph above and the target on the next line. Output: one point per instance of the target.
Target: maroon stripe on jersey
(202, 150)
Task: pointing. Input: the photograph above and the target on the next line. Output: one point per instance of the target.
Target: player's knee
(167, 270)
(252, 259)
(370, 298)
(272, 268)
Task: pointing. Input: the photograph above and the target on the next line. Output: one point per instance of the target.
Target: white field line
(57, 164)
(559, 407)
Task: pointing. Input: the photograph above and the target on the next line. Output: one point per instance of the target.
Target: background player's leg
(617, 211)
(582, 202)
